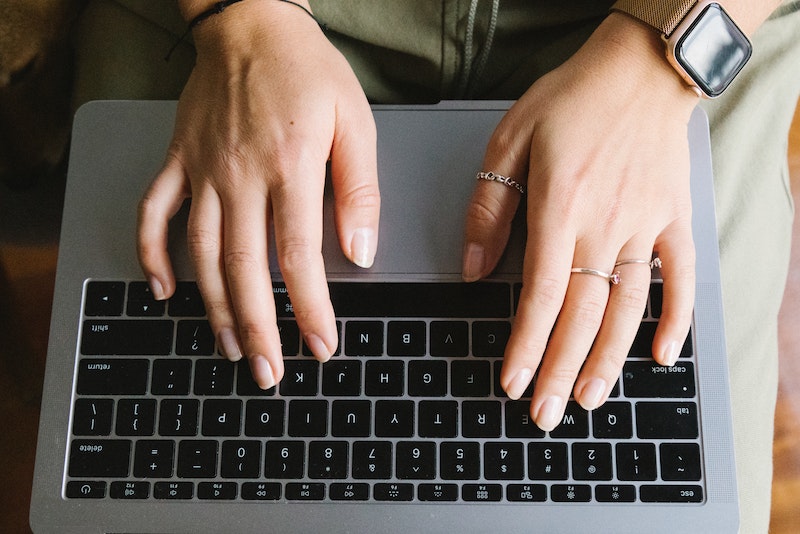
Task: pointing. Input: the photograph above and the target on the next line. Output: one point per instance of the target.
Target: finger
(626, 304)
(160, 203)
(299, 248)
(548, 256)
(493, 204)
(354, 174)
(572, 338)
(204, 236)
(676, 250)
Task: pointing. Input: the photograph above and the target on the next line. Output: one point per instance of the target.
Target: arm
(268, 103)
(602, 142)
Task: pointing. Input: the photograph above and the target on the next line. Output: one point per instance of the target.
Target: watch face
(713, 50)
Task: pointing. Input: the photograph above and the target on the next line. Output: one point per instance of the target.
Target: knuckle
(240, 261)
(485, 210)
(202, 243)
(297, 255)
(548, 292)
(587, 312)
(365, 196)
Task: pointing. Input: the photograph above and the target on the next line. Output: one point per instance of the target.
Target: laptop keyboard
(409, 410)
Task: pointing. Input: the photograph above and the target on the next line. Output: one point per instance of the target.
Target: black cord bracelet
(218, 8)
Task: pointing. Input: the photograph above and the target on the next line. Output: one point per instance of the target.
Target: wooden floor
(30, 269)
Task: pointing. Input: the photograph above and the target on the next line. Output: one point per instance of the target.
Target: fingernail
(474, 262)
(262, 372)
(550, 412)
(156, 288)
(318, 347)
(520, 382)
(593, 393)
(362, 247)
(671, 354)
(229, 345)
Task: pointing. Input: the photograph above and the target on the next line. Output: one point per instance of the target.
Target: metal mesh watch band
(663, 15)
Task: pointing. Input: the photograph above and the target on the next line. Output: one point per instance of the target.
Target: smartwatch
(704, 45)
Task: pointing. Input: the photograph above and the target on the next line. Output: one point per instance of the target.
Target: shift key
(127, 337)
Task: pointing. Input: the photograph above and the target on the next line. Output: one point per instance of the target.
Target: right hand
(268, 103)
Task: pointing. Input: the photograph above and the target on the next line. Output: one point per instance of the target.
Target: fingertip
(363, 247)
(474, 262)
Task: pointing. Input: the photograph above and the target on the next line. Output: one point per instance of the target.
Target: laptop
(145, 428)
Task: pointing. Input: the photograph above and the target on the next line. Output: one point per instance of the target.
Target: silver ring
(493, 177)
(613, 278)
(655, 263)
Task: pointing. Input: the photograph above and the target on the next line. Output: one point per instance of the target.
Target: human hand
(269, 101)
(602, 141)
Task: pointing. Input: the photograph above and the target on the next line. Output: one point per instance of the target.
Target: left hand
(602, 141)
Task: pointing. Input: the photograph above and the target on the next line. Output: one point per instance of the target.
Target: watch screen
(713, 50)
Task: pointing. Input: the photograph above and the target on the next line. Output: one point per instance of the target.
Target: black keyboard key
(591, 461)
(112, 377)
(308, 418)
(489, 338)
(666, 420)
(518, 420)
(303, 491)
(574, 424)
(141, 302)
(526, 492)
(420, 299)
(613, 420)
(615, 493)
(173, 490)
(240, 459)
(217, 491)
(449, 339)
(178, 417)
(300, 378)
(547, 461)
(154, 459)
(264, 418)
(571, 493)
(656, 300)
(290, 337)
(437, 492)
(284, 459)
(384, 378)
(93, 417)
(651, 380)
(337, 351)
(498, 389)
(680, 461)
(261, 491)
(186, 301)
(246, 386)
(222, 417)
(194, 338)
(171, 377)
(437, 419)
(460, 460)
(344, 491)
(351, 419)
(104, 299)
(416, 460)
(676, 494)
(341, 378)
(393, 492)
(470, 378)
(136, 417)
(503, 461)
(406, 338)
(636, 461)
(127, 337)
(197, 459)
(327, 459)
(481, 419)
(642, 346)
(427, 378)
(105, 458)
(372, 460)
(482, 492)
(129, 490)
(394, 418)
(86, 489)
(213, 377)
(363, 338)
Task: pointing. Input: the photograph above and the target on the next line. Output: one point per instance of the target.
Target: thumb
(494, 202)
(354, 174)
